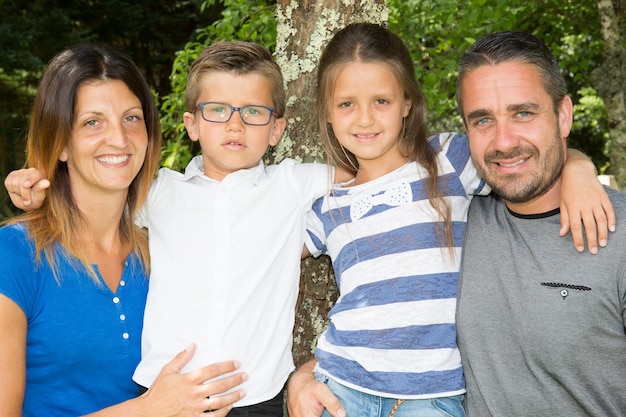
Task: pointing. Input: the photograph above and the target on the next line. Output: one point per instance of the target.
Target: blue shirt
(83, 340)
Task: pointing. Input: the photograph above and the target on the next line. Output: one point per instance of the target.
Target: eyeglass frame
(234, 109)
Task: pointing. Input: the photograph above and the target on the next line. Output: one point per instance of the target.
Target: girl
(393, 233)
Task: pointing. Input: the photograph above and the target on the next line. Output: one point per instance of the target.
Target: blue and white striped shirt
(392, 331)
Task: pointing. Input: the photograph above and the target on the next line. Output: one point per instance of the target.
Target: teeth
(112, 160)
(512, 164)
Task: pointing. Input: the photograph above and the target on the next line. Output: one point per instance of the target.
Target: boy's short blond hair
(238, 58)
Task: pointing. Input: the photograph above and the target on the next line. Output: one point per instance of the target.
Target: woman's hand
(185, 395)
(188, 394)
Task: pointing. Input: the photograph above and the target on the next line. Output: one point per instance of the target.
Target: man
(540, 326)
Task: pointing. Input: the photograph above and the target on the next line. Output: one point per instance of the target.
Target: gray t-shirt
(541, 326)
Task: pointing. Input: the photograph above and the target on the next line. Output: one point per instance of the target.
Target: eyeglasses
(213, 111)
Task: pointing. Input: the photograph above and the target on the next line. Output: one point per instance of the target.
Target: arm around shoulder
(584, 202)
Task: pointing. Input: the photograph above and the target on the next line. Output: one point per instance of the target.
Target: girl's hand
(584, 202)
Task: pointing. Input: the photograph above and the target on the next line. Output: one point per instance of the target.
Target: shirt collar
(195, 168)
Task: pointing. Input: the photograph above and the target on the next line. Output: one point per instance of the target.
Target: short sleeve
(314, 180)
(315, 237)
(17, 269)
(142, 218)
(454, 147)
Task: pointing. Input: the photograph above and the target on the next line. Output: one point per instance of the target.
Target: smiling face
(231, 146)
(517, 140)
(366, 112)
(108, 141)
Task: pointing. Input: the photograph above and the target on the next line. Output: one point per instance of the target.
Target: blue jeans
(360, 404)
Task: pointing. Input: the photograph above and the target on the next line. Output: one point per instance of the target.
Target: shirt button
(122, 317)
(125, 335)
(116, 300)
(122, 283)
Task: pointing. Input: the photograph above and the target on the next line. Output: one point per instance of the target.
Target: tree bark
(610, 82)
(303, 28)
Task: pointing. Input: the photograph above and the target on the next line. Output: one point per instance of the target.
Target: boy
(226, 236)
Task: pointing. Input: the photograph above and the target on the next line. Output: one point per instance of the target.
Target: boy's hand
(27, 188)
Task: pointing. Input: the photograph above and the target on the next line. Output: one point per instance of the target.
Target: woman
(73, 276)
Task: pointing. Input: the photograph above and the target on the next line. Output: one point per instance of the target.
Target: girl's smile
(367, 111)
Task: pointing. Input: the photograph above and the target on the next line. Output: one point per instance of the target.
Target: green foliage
(31, 33)
(438, 31)
(590, 128)
(240, 20)
(150, 31)
(244, 20)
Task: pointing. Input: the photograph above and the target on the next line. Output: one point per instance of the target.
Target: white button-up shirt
(225, 260)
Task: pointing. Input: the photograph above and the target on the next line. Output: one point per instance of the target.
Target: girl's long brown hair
(368, 42)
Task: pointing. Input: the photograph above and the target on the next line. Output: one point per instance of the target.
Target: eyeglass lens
(222, 112)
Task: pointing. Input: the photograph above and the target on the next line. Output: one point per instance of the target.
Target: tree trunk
(610, 82)
(303, 28)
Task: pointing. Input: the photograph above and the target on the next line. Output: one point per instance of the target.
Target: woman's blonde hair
(59, 220)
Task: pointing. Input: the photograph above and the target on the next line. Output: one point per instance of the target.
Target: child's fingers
(22, 183)
(38, 193)
(572, 220)
(565, 222)
(592, 228)
(610, 214)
